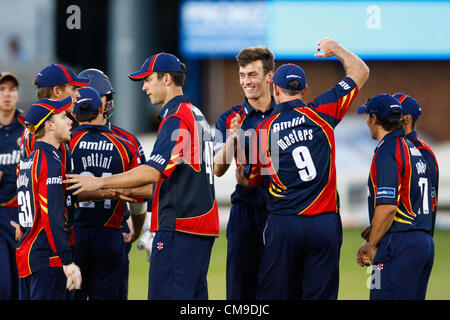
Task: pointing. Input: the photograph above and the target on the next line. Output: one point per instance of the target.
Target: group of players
(66, 205)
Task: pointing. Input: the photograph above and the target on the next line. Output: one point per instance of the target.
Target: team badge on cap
(383, 106)
(43, 110)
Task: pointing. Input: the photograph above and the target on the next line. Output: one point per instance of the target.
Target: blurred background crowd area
(405, 44)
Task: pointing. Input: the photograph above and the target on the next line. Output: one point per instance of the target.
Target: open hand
(82, 183)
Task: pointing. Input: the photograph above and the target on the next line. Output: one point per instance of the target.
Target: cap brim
(11, 76)
(79, 82)
(65, 104)
(139, 75)
(362, 109)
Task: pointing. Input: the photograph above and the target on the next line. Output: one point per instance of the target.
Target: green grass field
(353, 278)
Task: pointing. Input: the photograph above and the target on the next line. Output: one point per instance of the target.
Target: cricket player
(184, 211)
(303, 235)
(55, 82)
(400, 246)
(99, 243)
(248, 212)
(412, 112)
(44, 257)
(100, 82)
(12, 124)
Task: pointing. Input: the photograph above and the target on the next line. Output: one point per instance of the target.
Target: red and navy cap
(288, 72)
(409, 105)
(383, 106)
(56, 74)
(160, 62)
(91, 97)
(43, 110)
(9, 75)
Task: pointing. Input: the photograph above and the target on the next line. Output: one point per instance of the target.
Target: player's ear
(269, 75)
(56, 90)
(304, 90)
(168, 79)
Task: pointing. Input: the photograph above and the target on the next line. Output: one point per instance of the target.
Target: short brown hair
(46, 92)
(250, 54)
(289, 92)
(86, 117)
(177, 77)
(390, 124)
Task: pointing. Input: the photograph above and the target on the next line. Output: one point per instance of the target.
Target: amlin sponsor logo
(385, 192)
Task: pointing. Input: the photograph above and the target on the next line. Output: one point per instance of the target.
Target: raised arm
(224, 156)
(355, 68)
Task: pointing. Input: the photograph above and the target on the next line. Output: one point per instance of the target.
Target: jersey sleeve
(26, 144)
(335, 102)
(387, 171)
(220, 134)
(52, 202)
(168, 150)
(256, 173)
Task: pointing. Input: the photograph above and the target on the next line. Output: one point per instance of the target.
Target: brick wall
(427, 81)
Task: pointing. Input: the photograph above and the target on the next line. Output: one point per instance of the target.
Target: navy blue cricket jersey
(184, 198)
(430, 158)
(43, 215)
(98, 152)
(250, 118)
(400, 176)
(297, 151)
(10, 137)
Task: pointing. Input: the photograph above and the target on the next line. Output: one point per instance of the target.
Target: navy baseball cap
(43, 110)
(91, 97)
(160, 62)
(9, 75)
(382, 105)
(409, 105)
(56, 74)
(288, 72)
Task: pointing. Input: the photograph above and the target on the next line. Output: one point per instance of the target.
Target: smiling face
(9, 95)
(253, 80)
(155, 88)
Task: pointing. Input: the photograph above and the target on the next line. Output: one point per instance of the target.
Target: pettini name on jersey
(10, 158)
(96, 160)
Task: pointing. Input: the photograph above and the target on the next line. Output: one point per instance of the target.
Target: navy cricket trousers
(402, 266)
(99, 254)
(179, 266)
(300, 258)
(244, 250)
(8, 267)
